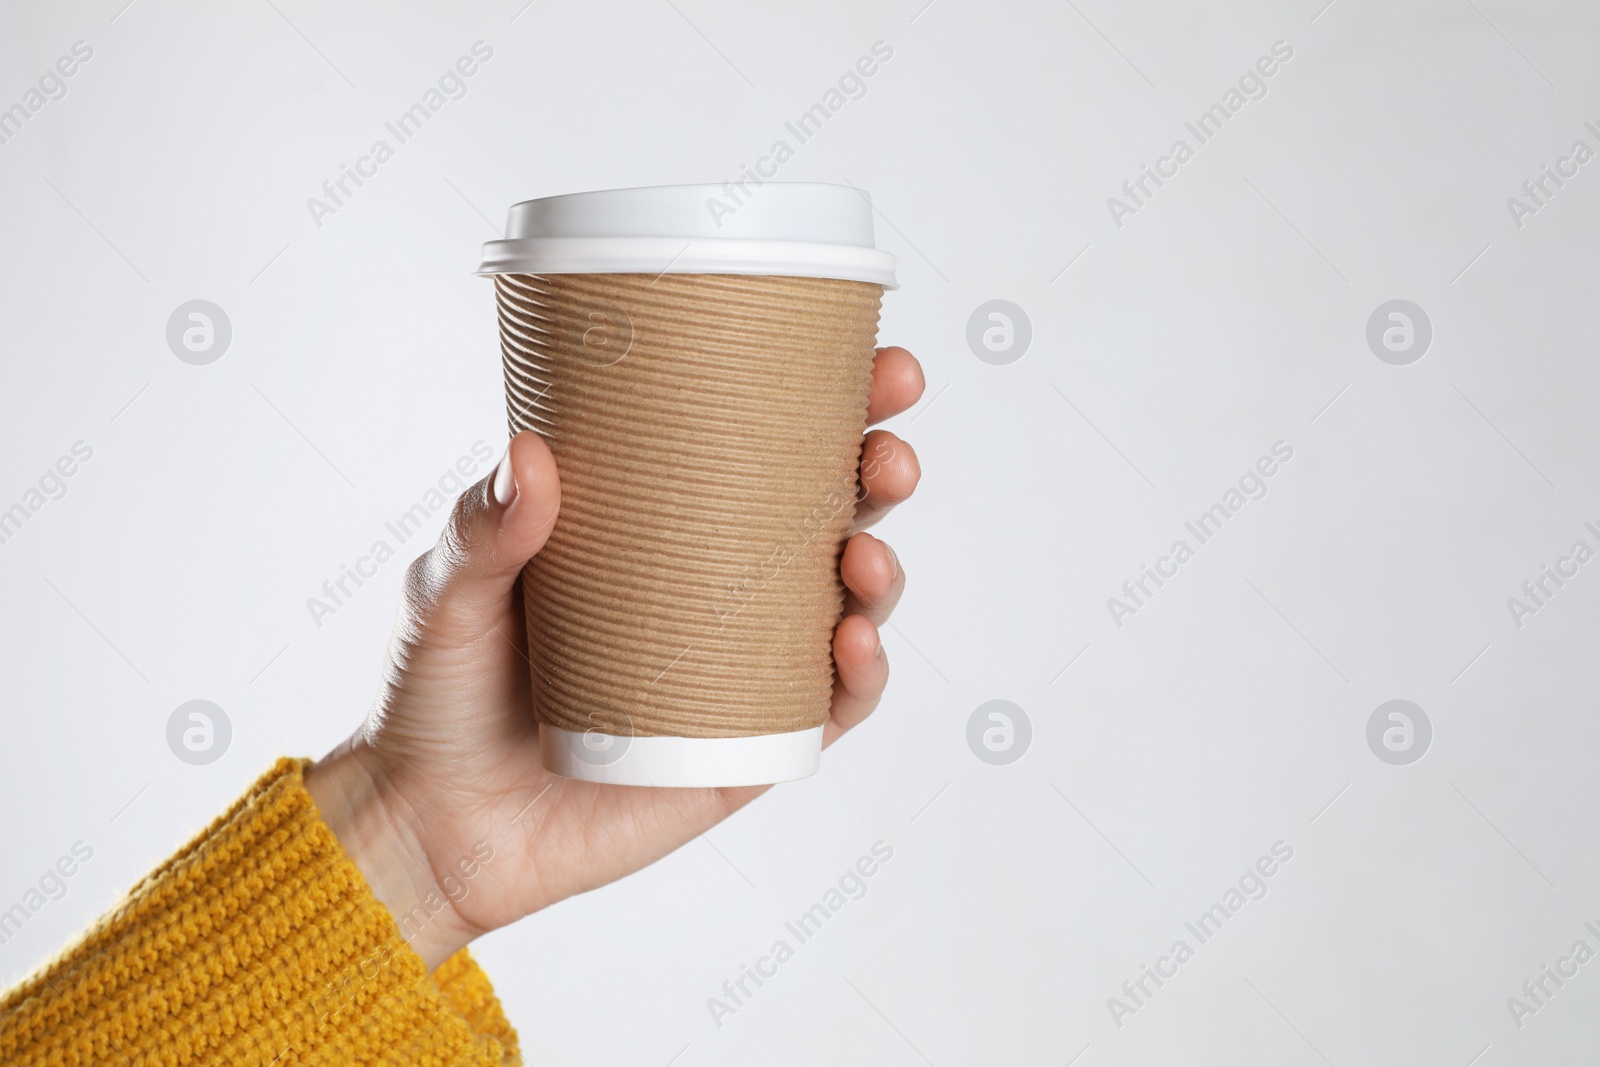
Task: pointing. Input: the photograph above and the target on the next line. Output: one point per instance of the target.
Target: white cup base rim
(681, 762)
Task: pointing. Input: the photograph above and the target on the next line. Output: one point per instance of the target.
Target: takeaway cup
(698, 359)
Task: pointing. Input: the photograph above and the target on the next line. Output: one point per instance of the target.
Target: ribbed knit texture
(258, 943)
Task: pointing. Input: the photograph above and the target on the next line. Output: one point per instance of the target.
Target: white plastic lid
(800, 229)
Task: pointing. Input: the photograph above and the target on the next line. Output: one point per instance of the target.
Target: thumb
(461, 586)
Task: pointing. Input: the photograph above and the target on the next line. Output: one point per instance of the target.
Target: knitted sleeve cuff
(258, 943)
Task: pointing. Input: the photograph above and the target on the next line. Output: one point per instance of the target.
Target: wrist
(379, 832)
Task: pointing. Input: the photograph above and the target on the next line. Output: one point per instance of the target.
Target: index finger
(897, 383)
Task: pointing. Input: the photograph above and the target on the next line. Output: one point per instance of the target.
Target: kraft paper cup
(701, 377)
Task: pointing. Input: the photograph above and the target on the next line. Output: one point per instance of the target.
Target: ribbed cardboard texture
(708, 430)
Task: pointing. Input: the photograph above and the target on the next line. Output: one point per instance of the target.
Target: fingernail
(877, 653)
(894, 563)
(505, 481)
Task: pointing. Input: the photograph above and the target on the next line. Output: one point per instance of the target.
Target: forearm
(258, 937)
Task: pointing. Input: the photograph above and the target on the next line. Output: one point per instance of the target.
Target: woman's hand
(440, 797)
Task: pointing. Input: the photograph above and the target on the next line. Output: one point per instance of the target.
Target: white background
(1224, 316)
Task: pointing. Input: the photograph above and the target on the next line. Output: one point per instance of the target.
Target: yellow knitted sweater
(258, 943)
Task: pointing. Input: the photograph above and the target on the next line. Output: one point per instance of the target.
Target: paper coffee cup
(701, 376)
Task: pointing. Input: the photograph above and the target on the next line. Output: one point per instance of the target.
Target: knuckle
(429, 575)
